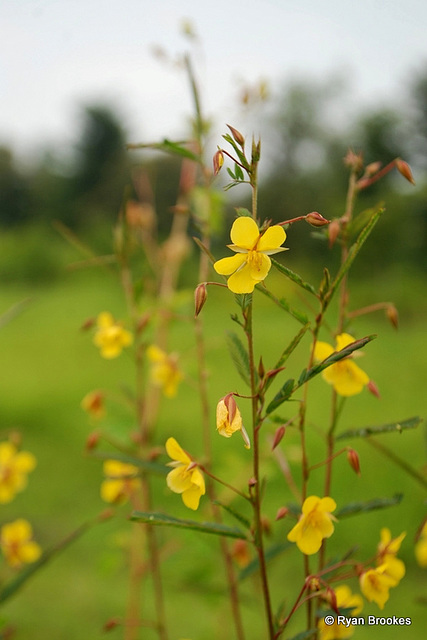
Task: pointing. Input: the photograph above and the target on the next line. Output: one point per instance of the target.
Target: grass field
(48, 364)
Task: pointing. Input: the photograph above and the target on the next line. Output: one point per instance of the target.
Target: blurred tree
(15, 195)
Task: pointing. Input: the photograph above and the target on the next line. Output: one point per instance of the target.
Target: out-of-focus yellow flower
(185, 478)
(421, 548)
(345, 599)
(110, 336)
(164, 370)
(314, 524)
(121, 481)
(229, 419)
(251, 263)
(93, 403)
(17, 545)
(345, 376)
(387, 551)
(14, 467)
(375, 585)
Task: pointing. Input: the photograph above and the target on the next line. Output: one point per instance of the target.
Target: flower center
(255, 260)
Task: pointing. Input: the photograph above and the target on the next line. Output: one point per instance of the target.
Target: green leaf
(392, 427)
(241, 518)
(354, 508)
(230, 173)
(239, 356)
(353, 252)
(175, 148)
(283, 304)
(161, 519)
(294, 277)
(333, 358)
(281, 397)
(292, 346)
(270, 553)
(145, 465)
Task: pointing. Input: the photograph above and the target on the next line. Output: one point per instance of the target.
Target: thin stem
(256, 496)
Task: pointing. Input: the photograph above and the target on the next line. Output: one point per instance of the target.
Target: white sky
(56, 55)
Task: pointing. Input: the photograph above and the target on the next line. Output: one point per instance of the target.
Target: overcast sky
(56, 55)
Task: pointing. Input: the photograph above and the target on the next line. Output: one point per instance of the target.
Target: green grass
(48, 364)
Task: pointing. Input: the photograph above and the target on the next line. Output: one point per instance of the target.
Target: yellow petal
(272, 239)
(310, 504)
(322, 350)
(241, 281)
(105, 320)
(191, 497)
(112, 490)
(227, 266)
(244, 232)
(327, 504)
(343, 340)
(175, 452)
(347, 378)
(178, 480)
(155, 354)
(30, 552)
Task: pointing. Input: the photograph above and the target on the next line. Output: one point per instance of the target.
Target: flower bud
(236, 135)
(353, 459)
(316, 219)
(92, 440)
(333, 231)
(111, 624)
(218, 161)
(228, 417)
(353, 160)
(404, 168)
(280, 432)
(200, 297)
(240, 553)
(393, 315)
(372, 168)
(372, 387)
(282, 512)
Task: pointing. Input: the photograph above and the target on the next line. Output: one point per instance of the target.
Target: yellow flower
(387, 551)
(251, 263)
(229, 419)
(93, 403)
(110, 337)
(421, 548)
(121, 481)
(375, 585)
(14, 467)
(345, 599)
(185, 478)
(345, 376)
(314, 524)
(164, 370)
(17, 545)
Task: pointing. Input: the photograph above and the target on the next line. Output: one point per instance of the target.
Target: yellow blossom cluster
(110, 336)
(185, 477)
(314, 524)
(16, 541)
(375, 583)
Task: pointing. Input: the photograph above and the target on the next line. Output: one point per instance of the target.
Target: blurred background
(78, 82)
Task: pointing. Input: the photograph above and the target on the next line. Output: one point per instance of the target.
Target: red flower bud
(333, 231)
(200, 297)
(353, 459)
(237, 135)
(372, 387)
(282, 512)
(393, 315)
(316, 219)
(404, 168)
(218, 161)
(280, 432)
